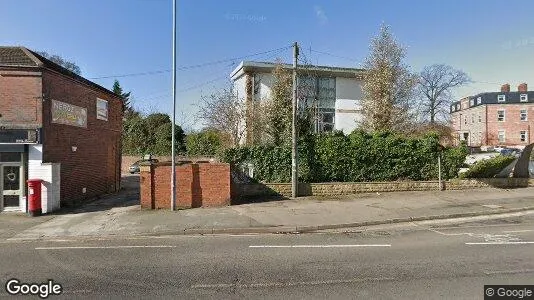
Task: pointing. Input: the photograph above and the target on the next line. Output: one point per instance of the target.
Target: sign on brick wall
(101, 109)
(68, 114)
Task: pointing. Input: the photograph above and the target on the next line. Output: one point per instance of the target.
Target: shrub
(360, 156)
(488, 168)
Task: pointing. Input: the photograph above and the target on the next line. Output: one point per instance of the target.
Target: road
(422, 261)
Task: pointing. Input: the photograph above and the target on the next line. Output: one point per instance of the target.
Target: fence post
(439, 171)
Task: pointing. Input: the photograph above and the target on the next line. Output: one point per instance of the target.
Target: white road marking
(285, 284)
(500, 243)
(509, 272)
(319, 246)
(102, 247)
(518, 231)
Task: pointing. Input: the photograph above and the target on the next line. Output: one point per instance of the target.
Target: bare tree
(388, 86)
(435, 85)
(62, 62)
(225, 112)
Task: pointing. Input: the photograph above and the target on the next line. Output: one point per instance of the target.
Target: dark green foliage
(151, 135)
(206, 142)
(127, 109)
(360, 156)
(488, 168)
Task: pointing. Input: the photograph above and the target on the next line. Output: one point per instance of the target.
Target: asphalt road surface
(411, 262)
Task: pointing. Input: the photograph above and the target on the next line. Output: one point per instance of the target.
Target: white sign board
(101, 109)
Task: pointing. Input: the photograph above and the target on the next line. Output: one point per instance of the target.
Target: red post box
(34, 197)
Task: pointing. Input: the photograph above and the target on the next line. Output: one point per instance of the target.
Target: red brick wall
(95, 165)
(197, 185)
(512, 124)
(486, 132)
(20, 99)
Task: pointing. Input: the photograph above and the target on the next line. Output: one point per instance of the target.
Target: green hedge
(488, 168)
(356, 157)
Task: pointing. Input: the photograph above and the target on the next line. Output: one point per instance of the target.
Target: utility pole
(173, 146)
(294, 154)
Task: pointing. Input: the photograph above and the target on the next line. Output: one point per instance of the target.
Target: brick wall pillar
(146, 189)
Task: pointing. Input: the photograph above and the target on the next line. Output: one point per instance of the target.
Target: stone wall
(343, 188)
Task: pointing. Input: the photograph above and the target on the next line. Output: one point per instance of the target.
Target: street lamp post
(173, 146)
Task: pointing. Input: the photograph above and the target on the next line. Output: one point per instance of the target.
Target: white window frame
(501, 98)
(458, 106)
(523, 98)
(523, 135)
(523, 112)
(503, 136)
(479, 100)
(472, 102)
(503, 115)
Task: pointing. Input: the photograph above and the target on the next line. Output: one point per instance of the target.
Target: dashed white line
(518, 231)
(500, 243)
(509, 272)
(103, 247)
(285, 284)
(319, 246)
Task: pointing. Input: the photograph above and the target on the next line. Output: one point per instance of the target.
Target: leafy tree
(163, 140)
(62, 62)
(388, 85)
(134, 136)
(206, 142)
(151, 135)
(127, 109)
(435, 85)
(278, 110)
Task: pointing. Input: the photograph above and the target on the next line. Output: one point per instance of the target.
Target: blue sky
(491, 40)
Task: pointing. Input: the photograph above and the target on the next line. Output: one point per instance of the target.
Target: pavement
(120, 214)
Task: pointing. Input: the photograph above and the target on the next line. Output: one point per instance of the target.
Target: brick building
(56, 126)
(502, 118)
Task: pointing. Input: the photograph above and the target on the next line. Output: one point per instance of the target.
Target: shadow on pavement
(128, 196)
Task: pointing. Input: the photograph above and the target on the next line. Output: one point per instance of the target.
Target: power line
(338, 56)
(192, 66)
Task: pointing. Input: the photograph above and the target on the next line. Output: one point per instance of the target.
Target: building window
(101, 109)
(472, 118)
(458, 106)
(257, 86)
(452, 108)
(523, 97)
(465, 120)
(479, 118)
(479, 100)
(502, 137)
(471, 102)
(523, 135)
(523, 115)
(500, 115)
(501, 98)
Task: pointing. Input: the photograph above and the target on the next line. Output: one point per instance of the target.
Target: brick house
(56, 126)
(502, 118)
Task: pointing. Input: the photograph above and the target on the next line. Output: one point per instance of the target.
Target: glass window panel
(10, 156)
(11, 178)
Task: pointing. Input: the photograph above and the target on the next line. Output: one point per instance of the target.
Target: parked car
(134, 168)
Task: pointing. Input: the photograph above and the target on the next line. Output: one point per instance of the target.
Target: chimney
(522, 87)
(505, 88)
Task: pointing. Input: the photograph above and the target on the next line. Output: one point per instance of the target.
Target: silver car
(134, 168)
